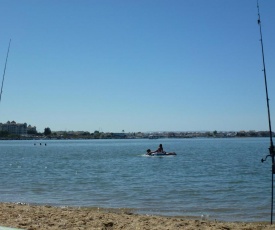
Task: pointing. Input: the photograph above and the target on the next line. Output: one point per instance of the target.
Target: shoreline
(42, 217)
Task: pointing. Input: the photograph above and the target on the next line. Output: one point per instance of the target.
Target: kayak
(162, 154)
(159, 153)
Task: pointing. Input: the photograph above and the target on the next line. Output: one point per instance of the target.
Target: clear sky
(137, 65)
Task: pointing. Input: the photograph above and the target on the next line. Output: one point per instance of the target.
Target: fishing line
(4, 71)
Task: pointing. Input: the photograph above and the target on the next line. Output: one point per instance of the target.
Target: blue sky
(146, 65)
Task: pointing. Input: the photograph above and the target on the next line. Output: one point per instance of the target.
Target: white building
(16, 128)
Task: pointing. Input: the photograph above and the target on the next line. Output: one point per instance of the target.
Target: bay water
(221, 179)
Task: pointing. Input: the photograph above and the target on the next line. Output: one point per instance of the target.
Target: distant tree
(96, 134)
(4, 133)
(86, 134)
(215, 132)
(32, 132)
(241, 134)
(47, 131)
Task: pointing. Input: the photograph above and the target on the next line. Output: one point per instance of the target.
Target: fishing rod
(5, 71)
(271, 148)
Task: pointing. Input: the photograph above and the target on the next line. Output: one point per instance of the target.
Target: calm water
(222, 178)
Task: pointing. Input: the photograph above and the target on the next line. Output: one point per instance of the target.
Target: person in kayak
(159, 150)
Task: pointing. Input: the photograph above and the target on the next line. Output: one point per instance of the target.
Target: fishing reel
(272, 155)
(263, 160)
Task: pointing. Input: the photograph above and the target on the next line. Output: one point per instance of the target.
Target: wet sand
(34, 217)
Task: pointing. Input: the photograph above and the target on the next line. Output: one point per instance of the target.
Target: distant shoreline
(80, 138)
(63, 135)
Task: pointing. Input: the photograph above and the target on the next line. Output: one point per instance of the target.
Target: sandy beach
(33, 217)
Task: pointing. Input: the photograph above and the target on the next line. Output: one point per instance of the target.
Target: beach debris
(20, 203)
(108, 226)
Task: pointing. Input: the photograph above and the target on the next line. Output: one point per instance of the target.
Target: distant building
(16, 128)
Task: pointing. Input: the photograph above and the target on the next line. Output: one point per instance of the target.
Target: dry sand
(32, 217)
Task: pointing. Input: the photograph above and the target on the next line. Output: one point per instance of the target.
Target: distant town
(22, 131)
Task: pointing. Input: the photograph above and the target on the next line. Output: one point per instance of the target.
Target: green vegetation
(32, 132)
(7, 136)
(47, 131)
(4, 133)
